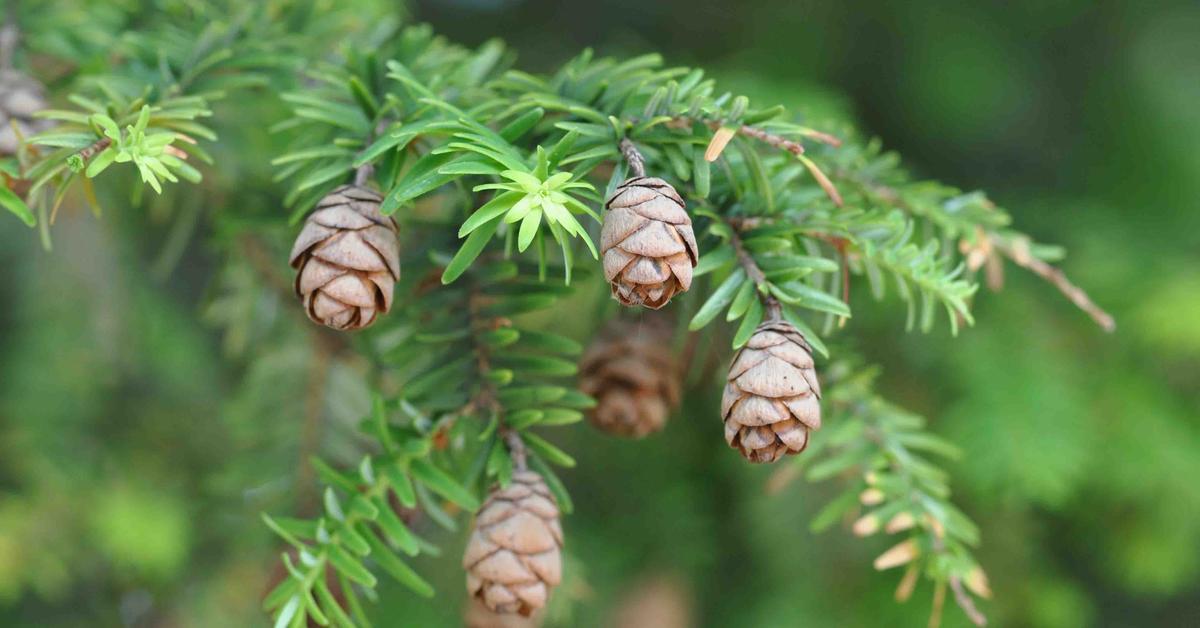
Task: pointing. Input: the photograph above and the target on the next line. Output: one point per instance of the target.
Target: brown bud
(866, 525)
(977, 582)
(899, 554)
(647, 242)
(772, 398)
(871, 497)
(20, 98)
(514, 556)
(901, 522)
(348, 259)
(632, 374)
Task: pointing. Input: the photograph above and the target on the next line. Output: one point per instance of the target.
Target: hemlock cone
(20, 98)
(514, 556)
(477, 615)
(772, 397)
(348, 259)
(647, 242)
(634, 377)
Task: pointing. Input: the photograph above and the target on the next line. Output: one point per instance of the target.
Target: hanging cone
(478, 615)
(348, 259)
(647, 242)
(633, 375)
(514, 556)
(772, 397)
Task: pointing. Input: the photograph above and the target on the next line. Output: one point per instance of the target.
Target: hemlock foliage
(497, 177)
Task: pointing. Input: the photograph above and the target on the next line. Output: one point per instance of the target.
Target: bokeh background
(138, 441)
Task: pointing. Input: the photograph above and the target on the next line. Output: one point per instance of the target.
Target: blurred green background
(139, 441)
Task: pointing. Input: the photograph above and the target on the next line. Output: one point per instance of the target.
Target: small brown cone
(633, 375)
(20, 98)
(647, 242)
(348, 259)
(514, 556)
(772, 397)
(478, 616)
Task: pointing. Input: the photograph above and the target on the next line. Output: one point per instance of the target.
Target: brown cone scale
(772, 399)
(477, 615)
(633, 375)
(647, 243)
(514, 556)
(348, 259)
(20, 98)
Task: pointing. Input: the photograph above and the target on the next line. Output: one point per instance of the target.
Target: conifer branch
(1017, 250)
(766, 137)
(506, 167)
(900, 490)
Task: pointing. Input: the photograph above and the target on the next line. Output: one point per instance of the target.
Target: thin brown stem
(516, 447)
(771, 139)
(965, 602)
(774, 311)
(363, 173)
(1020, 255)
(91, 150)
(486, 397)
(637, 163)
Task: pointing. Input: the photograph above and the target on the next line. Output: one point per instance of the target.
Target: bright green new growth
(473, 158)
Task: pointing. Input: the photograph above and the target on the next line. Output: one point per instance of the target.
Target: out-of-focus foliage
(138, 443)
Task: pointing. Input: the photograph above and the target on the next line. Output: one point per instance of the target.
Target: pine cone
(647, 242)
(20, 98)
(479, 616)
(513, 557)
(772, 397)
(633, 375)
(348, 258)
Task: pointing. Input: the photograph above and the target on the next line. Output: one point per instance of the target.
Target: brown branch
(1021, 256)
(90, 151)
(637, 163)
(516, 447)
(825, 138)
(1019, 253)
(966, 603)
(778, 141)
(486, 397)
(774, 310)
(363, 173)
